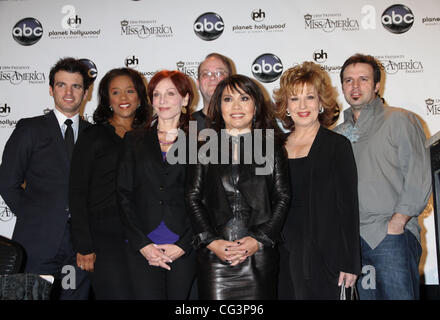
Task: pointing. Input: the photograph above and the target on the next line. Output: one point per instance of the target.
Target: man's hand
(397, 223)
(86, 262)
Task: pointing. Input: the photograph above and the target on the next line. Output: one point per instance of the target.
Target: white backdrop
(267, 36)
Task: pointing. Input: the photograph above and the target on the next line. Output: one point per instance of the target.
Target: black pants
(156, 283)
(71, 283)
(292, 284)
(111, 277)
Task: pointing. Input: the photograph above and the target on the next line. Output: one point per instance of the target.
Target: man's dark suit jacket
(36, 154)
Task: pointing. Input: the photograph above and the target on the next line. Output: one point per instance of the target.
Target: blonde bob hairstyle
(293, 80)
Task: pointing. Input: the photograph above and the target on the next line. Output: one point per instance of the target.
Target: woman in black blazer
(237, 212)
(321, 249)
(151, 195)
(96, 225)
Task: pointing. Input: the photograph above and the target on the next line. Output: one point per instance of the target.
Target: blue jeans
(390, 271)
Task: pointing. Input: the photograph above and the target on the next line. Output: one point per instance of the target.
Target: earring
(111, 109)
(183, 110)
(139, 105)
(287, 113)
(321, 109)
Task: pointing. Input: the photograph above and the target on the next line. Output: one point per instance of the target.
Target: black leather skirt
(253, 279)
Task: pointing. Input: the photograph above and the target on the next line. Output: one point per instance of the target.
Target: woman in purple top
(151, 195)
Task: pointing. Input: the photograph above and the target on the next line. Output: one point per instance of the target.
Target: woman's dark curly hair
(103, 112)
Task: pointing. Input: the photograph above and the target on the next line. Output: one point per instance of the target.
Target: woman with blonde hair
(321, 248)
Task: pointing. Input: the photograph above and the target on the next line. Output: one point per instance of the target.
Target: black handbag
(353, 294)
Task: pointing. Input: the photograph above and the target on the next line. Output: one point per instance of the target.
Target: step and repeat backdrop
(262, 38)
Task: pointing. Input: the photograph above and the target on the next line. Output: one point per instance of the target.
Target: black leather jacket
(267, 195)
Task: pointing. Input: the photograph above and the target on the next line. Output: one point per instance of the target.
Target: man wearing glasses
(211, 71)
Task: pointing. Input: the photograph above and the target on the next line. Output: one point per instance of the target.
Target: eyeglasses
(208, 74)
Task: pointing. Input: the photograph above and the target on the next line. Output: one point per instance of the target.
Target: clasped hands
(234, 252)
(159, 255)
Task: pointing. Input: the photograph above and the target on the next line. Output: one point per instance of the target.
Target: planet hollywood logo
(131, 62)
(209, 26)
(267, 68)
(18, 74)
(397, 18)
(395, 64)
(70, 24)
(258, 15)
(432, 106)
(329, 22)
(27, 31)
(71, 20)
(145, 28)
(431, 21)
(5, 112)
(189, 68)
(320, 56)
(92, 70)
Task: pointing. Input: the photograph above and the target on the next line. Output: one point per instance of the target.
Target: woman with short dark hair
(237, 212)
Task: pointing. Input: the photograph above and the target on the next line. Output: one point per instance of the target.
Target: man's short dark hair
(362, 58)
(71, 65)
(221, 57)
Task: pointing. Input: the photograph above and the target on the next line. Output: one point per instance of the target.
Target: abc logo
(93, 71)
(397, 18)
(267, 68)
(27, 31)
(209, 26)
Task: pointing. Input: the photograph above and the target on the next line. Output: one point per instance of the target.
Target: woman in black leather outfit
(236, 211)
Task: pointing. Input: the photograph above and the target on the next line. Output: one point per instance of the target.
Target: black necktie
(68, 137)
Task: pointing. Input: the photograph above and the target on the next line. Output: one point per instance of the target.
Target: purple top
(163, 235)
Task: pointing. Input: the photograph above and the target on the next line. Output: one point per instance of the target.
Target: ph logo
(131, 62)
(71, 20)
(5, 110)
(27, 31)
(397, 19)
(320, 56)
(267, 67)
(93, 71)
(209, 26)
(258, 15)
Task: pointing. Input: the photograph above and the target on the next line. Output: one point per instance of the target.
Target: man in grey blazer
(34, 179)
(394, 183)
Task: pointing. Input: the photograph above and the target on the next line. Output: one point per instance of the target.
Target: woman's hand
(350, 279)
(248, 246)
(225, 250)
(155, 256)
(86, 262)
(171, 250)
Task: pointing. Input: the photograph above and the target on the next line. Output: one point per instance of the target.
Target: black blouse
(93, 181)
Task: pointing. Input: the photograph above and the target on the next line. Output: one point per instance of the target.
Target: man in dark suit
(34, 179)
